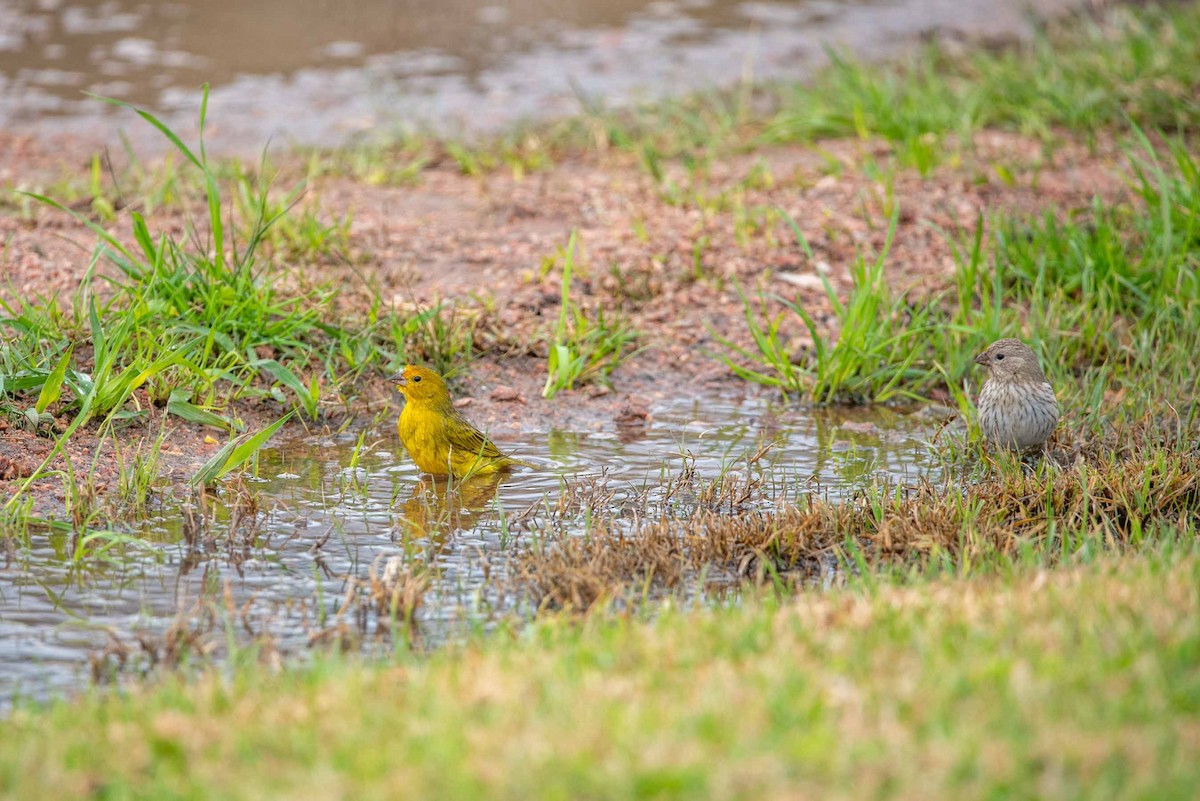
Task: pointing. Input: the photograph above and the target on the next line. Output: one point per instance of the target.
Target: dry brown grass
(387, 599)
(1051, 510)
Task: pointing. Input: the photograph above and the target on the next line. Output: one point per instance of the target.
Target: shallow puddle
(332, 513)
(316, 73)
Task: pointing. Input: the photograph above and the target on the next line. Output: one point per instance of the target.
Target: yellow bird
(436, 435)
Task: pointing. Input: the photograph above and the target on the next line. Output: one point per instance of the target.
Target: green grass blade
(52, 389)
(235, 453)
(185, 410)
(162, 128)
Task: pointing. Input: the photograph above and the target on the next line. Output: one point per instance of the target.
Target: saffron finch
(1017, 407)
(436, 435)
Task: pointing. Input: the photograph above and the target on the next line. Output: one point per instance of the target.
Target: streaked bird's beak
(981, 359)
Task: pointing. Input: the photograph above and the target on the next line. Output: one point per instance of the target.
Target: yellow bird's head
(421, 385)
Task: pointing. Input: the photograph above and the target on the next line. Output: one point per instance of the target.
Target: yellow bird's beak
(398, 379)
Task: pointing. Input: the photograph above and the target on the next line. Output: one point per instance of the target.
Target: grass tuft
(871, 359)
(583, 347)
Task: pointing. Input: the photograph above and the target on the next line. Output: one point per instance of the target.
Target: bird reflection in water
(439, 507)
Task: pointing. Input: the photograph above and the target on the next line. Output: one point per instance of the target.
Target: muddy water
(333, 512)
(316, 71)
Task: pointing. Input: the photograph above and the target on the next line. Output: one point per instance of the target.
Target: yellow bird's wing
(465, 437)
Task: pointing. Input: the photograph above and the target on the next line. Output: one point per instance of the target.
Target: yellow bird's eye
(416, 378)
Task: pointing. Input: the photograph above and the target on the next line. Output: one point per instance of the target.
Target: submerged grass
(1078, 683)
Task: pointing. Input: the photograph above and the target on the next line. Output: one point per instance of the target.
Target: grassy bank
(231, 311)
(1079, 683)
(1086, 75)
(1109, 296)
(204, 324)
(1012, 630)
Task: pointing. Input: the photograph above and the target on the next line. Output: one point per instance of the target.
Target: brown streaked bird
(436, 435)
(1017, 407)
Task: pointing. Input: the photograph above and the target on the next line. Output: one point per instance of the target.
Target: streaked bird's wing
(466, 437)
